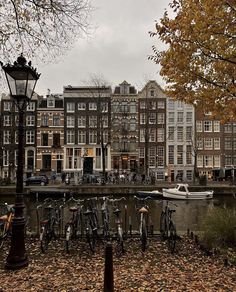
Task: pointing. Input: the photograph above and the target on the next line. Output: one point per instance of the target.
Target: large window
(82, 121)
(217, 143)
(93, 137)
(44, 120)
(199, 126)
(56, 120)
(208, 144)
(180, 117)
(81, 137)
(105, 121)
(142, 119)
(142, 135)
(160, 134)
(70, 107)
(70, 136)
(56, 139)
(104, 107)
(179, 134)
(132, 107)
(160, 118)
(160, 156)
(171, 131)
(171, 117)
(171, 154)
(93, 121)
(29, 137)
(152, 118)
(6, 120)
(228, 143)
(152, 135)
(44, 139)
(207, 126)
(179, 154)
(189, 133)
(188, 154)
(208, 160)
(30, 120)
(70, 120)
(7, 106)
(216, 126)
(189, 117)
(171, 104)
(132, 124)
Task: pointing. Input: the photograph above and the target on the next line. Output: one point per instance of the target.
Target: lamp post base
(17, 257)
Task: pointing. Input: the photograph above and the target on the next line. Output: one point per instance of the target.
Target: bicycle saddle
(87, 212)
(73, 209)
(117, 211)
(44, 222)
(143, 210)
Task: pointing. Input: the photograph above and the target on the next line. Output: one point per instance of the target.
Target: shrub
(219, 228)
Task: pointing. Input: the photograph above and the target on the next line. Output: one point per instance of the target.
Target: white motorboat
(181, 192)
(153, 194)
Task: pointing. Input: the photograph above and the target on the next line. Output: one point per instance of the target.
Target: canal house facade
(50, 134)
(87, 129)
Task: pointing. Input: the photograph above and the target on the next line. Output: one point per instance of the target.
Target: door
(88, 165)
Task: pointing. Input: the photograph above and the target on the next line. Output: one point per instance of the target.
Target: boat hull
(152, 194)
(174, 194)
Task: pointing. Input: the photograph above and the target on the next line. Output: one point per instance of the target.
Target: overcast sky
(118, 48)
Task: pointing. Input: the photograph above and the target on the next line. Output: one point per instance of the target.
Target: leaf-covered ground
(153, 270)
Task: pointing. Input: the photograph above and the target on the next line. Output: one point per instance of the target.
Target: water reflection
(188, 215)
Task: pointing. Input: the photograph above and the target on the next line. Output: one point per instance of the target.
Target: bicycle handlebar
(116, 200)
(142, 199)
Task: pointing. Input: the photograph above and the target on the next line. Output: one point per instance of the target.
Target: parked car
(36, 180)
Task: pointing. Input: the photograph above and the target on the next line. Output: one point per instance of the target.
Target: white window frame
(82, 121)
(93, 106)
(70, 107)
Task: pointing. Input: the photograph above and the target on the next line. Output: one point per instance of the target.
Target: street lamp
(21, 79)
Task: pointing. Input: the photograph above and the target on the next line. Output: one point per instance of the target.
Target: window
(70, 107)
(105, 136)
(160, 156)
(5, 157)
(171, 131)
(133, 144)
(44, 139)
(56, 140)
(171, 154)
(217, 143)
(208, 143)
(179, 154)
(30, 106)
(6, 137)
(81, 106)
(152, 156)
(142, 105)
(160, 104)
(228, 143)
(50, 102)
(199, 143)
(70, 121)
(180, 117)
(142, 119)
(160, 118)
(199, 161)
(208, 159)
(30, 120)
(142, 135)
(199, 126)
(189, 174)
(104, 107)
(179, 134)
(82, 121)
(124, 107)
(189, 117)
(152, 135)
(189, 130)
(93, 106)
(7, 106)
(56, 120)
(171, 104)
(132, 124)
(152, 105)
(179, 104)
(188, 154)
(105, 121)
(7, 120)
(44, 120)
(92, 137)
(207, 126)
(132, 107)
(152, 118)
(160, 134)
(228, 160)
(93, 122)
(81, 137)
(152, 93)
(227, 128)
(216, 160)
(29, 137)
(171, 117)
(70, 136)
(216, 125)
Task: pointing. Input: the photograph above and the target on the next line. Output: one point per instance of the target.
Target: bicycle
(74, 227)
(50, 228)
(167, 227)
(119, 229)
(6, 217)
(105, 217)
(143, 211)
(91, 223)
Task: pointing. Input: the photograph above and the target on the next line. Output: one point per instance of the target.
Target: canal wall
(90, 190)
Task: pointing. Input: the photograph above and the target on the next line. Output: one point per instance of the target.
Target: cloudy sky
(118, 48)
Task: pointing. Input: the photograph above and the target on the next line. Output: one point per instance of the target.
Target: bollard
(188, 232)
(191, 235)
(108, 273)
(196, 239)
(130, 226)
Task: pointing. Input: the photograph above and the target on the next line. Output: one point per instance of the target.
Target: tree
(42, 28)
(200, 58)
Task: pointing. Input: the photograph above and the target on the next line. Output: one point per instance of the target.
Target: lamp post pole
(21, 79)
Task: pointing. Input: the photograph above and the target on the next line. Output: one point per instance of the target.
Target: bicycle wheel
(163, 226)
(172, 237)
(44, 238)
(90, 238)
(144, 235)
(68, 237)
(120, 242)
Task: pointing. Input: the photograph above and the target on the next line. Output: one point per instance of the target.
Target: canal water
(188, 215)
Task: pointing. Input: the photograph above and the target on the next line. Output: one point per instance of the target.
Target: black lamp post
(21, 79)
